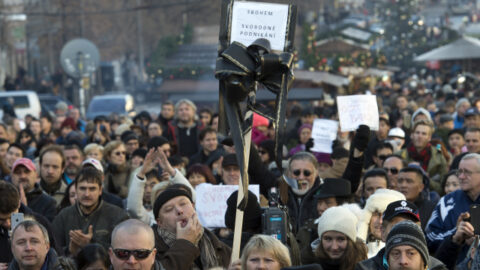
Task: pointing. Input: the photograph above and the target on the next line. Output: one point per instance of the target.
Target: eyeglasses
(120, 153)
(392, 170)
(261, 152)
(467, 173)
(138, 254)
(307, 173)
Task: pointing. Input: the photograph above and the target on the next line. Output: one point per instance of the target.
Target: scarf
(208, 255)
(423, 156)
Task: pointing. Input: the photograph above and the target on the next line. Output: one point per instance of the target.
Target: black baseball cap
(333, 187)
(401, 207)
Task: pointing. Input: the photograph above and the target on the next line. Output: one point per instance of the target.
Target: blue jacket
(443, 220)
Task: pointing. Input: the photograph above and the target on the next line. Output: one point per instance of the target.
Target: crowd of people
(120, 193)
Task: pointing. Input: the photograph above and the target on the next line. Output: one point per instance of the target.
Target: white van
(25, 102)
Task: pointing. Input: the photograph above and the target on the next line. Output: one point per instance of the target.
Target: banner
(211, 203)
(254, 20)
(324, 132)
(357, 110)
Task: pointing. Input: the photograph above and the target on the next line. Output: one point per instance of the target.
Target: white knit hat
(377, 202)
(338, 219)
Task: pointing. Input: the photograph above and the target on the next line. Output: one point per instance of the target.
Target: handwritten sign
(324, 132)
(211, 203)
(357, 110)
(254, 20)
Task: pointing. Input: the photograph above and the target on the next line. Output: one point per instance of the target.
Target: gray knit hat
(410, 234)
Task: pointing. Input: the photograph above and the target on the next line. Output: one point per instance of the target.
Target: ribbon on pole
(240, 70)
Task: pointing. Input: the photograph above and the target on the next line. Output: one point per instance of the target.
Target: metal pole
(140, 41)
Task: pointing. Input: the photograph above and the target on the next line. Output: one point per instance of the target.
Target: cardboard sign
(211, 203)
(324, 132)
(254, 20)
(357, 110)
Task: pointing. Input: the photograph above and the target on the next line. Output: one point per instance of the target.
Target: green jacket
(437, 167)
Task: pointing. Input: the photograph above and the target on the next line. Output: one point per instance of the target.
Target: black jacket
(41, 203)
(183, 254)
(376, 263)
(103, 219)
(49, 263)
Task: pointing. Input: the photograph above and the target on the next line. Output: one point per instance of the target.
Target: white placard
(211, 203)
(254, 20)
(324, 132)
(357, 110)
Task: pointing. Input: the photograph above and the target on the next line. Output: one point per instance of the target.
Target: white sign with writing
(324, 132)
(357, 110)
(254, 20)
(211, 203)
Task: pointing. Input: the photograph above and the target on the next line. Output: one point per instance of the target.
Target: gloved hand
(362, 137)
(309, 145)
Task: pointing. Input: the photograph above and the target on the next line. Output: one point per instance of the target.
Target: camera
(274, 219)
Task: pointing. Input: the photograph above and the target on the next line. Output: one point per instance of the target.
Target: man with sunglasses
(448, 228)
(392, 165)
(382, 150)
(133, 247)
(90, 219)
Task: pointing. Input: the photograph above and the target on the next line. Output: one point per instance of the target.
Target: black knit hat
(410, 234)
(252, 217)
(167, 195)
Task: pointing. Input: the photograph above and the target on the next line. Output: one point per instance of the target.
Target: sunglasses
(307, 173)
(261, 152)
(138, 254)
(382, 157)
(120, 153)
(392, 170)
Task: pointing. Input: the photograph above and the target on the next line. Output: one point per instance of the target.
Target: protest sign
(253, 20)
(211, 203)
(357, 110)
(324, 132)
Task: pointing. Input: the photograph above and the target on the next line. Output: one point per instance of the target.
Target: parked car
(25, 102)
(122, 104)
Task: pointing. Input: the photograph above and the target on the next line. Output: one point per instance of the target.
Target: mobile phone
(16, 219)
(475, 217)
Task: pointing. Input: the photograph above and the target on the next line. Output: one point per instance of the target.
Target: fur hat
(377, 202)
(338, 219)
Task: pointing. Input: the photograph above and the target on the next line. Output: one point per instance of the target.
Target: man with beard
(184, 130)
(73, 162)
(52, 164)
(24, 177)
(90, 219)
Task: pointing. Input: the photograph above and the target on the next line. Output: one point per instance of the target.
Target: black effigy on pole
(255, 47)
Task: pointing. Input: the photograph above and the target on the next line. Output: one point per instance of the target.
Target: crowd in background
(120, 193)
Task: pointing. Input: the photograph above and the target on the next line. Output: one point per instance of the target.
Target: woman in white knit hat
(369, 224)
(338, 247)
